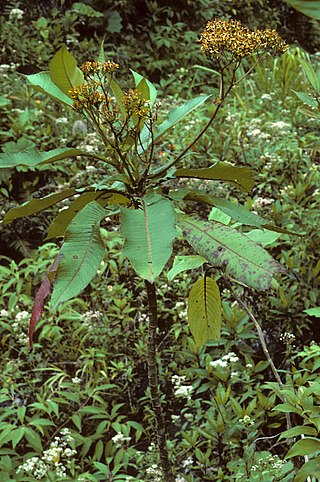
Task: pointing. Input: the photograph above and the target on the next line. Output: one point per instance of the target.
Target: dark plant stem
(153, 384)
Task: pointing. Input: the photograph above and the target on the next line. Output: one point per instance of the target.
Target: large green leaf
(32, 157)
(42, 82)
(311, 8)
(81, 254)
(59, 225)
(36, 205)
(222, 171)
(305, 446)
(184, 263)
(224, 247)
(149, 232)
(204, 311)
(64, 71)
(309, 469)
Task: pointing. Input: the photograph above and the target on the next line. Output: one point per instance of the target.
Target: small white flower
(16, 14)
(184, 391)
(76, 380)
(120, 440)
(22, 315)
(4, 313)
(62, 120)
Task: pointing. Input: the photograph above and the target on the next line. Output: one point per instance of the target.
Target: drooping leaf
(311, 8)
(204, 311)
(64, 71)
(43, 83)
(309, 469)
(81, 254)
(36, 205)
(222, 171)
(32, 157)
(184, 263)
(226, 248)
(41, 295)
(305, 446)
(299, 430)
(149, 232)
(59, 225)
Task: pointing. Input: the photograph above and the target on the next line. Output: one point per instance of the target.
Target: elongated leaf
(42, 293)
(174, 116)
(204, 311)
(309, 469)
(306, 99)
(224, 247)
(311, 8)
(118, 94)
(32, 157)
(36, 205)
(183, 263)
(312, 76)
(222, 171)
(64, 71)
(299, 430)
(59, 225)
(263, 237)
(305, 446)
(43, 83)
(81, 254)
(149, 233)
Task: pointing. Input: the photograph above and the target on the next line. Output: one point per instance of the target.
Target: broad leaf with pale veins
(226, 248)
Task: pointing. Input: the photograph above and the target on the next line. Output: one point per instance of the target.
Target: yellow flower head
(222, 36)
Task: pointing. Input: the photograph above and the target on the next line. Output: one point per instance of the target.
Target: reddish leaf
(41, 295)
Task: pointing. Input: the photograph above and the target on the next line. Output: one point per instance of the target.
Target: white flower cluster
(22, 316)
(16, 14)
(91, 318)
(261, 202)
(120, 440)
(280, 126)
(181, 307)
(180, 390)
(91, 143)
(57, 458)
(62, 120)
(154, 473)
(4, 313)
(246, 420)
(225, 360)
(287, 337)
(273, 462)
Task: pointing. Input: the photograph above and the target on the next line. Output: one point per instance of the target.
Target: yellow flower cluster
(95, 67)
(134, 104)
(86, 95)
(221, 36)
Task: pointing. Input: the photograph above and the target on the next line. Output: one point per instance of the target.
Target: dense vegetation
(78, 406)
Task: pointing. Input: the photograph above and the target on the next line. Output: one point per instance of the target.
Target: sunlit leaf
(204, 311)
(64, 71)
(184, 263)
(43, 83)
(32, 157)
(305, 446)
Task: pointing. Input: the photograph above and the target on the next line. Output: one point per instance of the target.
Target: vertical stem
(153, 384)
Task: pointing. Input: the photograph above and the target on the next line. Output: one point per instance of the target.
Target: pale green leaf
(32, 157)
(226, 248)
(151, 92)
(313, 312)
(311, 8)
(86, 10)
(149, 232)
(305, 446)
(219, 216)
(221, 171)
(184, 263)
(312, 76)
(64, 71)
(81, 254)
(43, 83)
(204, 311)
(263, 237)
(36, 205)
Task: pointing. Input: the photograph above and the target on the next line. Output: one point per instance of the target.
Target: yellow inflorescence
(221, 36)
(95, 67)
(86, 95)
(134, 104)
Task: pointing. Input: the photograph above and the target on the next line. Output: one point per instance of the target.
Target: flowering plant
(130, 126)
